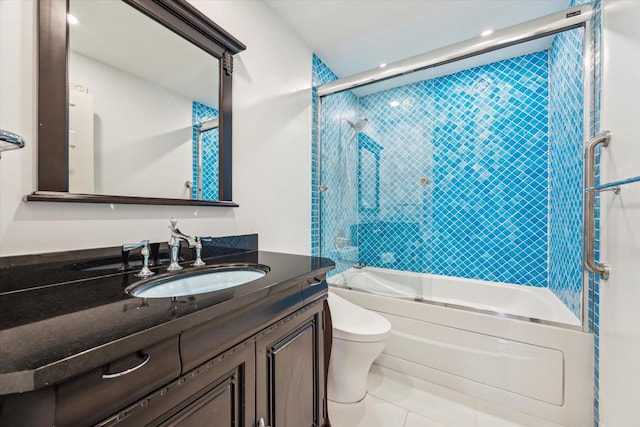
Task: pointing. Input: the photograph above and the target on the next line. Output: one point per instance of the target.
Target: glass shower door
(375, 191)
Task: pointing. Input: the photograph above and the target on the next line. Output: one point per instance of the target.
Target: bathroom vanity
(77, 349)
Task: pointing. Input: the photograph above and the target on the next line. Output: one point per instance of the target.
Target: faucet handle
(174, 221)
(130, 246)
(126, 249)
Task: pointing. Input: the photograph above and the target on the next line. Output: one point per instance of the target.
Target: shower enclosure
(451, 199)
(472, 169)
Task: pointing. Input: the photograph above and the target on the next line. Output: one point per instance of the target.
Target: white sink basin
(199, 283)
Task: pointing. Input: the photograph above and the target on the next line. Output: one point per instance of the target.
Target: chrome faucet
(144, 244)
(174, 246)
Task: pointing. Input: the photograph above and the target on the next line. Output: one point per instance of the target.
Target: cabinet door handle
(127, 371)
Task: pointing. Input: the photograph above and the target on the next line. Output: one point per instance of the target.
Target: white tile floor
(399, 400)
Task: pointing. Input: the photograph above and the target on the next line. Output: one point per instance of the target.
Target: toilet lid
(354, 323)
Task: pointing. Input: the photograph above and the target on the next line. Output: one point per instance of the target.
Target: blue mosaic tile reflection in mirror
(210, 177)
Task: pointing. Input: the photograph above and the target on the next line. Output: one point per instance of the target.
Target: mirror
(134, 108)
(148, 104)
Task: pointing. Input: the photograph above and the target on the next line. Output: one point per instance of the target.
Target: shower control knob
(424, 182)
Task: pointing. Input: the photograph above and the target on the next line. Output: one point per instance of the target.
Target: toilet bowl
(359, 336)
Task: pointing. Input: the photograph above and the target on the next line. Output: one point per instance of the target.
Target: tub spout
(359, 265)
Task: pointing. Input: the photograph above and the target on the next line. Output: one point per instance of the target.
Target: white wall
(620, 229)
(271, 167)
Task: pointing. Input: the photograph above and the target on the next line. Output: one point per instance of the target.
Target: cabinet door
(289, 371)
(219, 407)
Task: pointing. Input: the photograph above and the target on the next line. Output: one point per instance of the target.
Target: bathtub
(518, 346)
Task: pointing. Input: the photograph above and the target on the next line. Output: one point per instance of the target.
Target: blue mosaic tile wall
(480, 137)
(566, 161)
(200, 114)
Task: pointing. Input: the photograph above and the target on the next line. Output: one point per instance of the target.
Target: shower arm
(589, 205)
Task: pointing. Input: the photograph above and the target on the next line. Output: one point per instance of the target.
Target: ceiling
(352, 36)
(118, 35)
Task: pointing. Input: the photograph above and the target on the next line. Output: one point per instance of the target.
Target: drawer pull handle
(127, 371)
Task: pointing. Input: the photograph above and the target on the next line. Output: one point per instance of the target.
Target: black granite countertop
(57, 320)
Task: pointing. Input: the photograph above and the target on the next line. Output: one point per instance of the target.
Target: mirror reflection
(143, 107)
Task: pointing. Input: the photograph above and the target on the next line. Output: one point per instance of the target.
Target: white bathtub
(515, 345)
(500, 298)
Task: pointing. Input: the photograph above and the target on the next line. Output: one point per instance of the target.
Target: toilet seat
(354, 323)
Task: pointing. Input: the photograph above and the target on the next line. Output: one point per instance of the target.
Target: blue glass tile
(566, 167)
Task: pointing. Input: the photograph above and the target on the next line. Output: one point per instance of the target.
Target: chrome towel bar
(589, 204)
(10, 141)
(613, 186)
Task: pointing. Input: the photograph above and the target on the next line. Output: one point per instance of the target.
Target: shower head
(358, 125)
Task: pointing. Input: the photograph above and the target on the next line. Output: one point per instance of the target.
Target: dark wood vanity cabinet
(262, 364)
(275, 378)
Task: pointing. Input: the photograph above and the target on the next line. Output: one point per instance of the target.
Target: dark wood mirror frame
(53, 99)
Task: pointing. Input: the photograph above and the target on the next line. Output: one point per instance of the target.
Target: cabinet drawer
(95, 395)
(222, 391)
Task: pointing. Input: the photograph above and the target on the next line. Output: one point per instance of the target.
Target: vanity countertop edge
(45, 351)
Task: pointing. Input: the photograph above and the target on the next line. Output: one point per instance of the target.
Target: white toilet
(359, 336)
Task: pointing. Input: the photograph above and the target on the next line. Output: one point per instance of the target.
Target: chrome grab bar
(10, 141)
(589, 204)
(614, 186)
